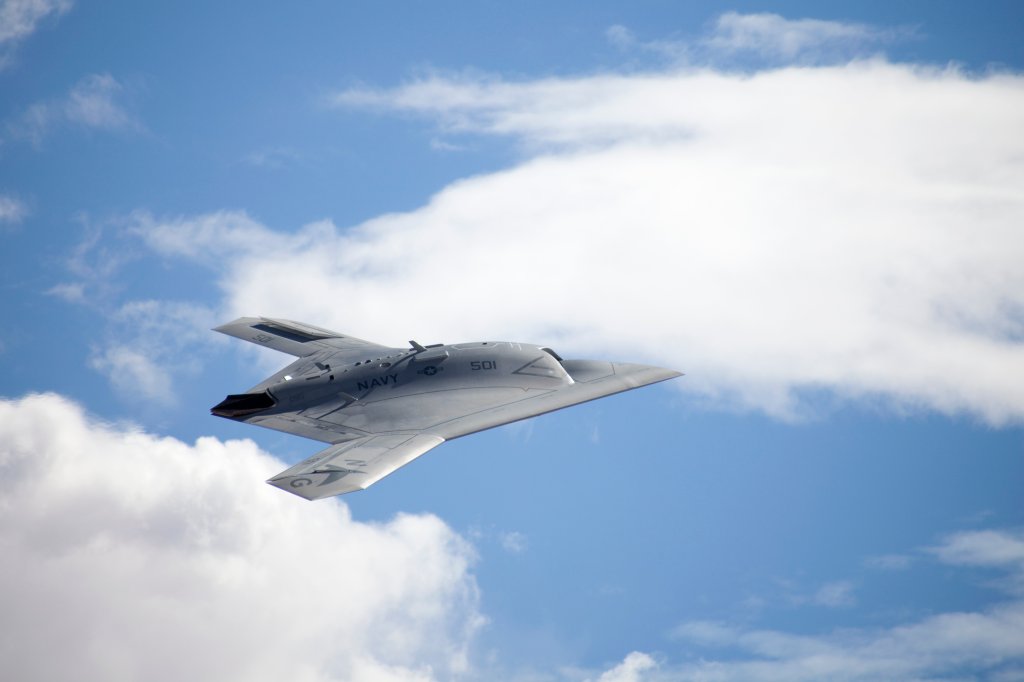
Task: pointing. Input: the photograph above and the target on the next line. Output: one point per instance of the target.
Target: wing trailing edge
(593, 379)
(353, 465)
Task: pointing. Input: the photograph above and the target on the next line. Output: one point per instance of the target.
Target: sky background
(814, 211)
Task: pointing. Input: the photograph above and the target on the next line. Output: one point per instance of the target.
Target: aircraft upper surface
(382, 407)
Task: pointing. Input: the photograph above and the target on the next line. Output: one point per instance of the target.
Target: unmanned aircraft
(380, 407)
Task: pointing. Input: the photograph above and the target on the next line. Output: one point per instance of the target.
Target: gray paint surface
(381, 407)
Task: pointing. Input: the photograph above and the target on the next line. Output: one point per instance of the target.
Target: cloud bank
(147, 557)
(852, 228)
(139, 557)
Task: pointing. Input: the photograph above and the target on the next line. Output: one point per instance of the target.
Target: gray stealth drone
(380, 408)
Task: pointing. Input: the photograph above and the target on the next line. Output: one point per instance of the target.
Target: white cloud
(148, 558)
(736, 39)
(72, 292)
(94, 102)
(185, 323)
(91, 103)
(983, 548)
(982, 644)
(834, 594)
(148, 344)
(213, 237)
(12, 210)
(929, 649)
(988, 549)
(631, 669)
(513, 542)
(775, 37)
(445, 146)
(156, 341)
(19, 19)
(94, 264)
(134, 372)
(853, 228)
(620, 36)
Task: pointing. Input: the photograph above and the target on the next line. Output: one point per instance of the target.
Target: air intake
(243, 404)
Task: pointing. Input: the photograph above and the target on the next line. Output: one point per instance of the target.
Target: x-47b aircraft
(379, 407)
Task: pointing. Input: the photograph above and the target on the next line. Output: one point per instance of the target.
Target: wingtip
(662, 373)
(238, 321)
(669, 374)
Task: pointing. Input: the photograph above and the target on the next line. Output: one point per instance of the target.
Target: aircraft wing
(294, 338)
(593, 379)
(361, 458)
(353, 465)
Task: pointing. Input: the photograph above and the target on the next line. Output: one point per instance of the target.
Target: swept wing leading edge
(294, 338)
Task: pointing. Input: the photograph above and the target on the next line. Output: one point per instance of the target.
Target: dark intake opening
(242, 404)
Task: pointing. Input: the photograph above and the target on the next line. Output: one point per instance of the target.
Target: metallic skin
(380, 407)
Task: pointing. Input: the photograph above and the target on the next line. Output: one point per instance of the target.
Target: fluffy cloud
(853, 228)
(135, 373)
(987, 548)
(631, 669)
(139, 557)
(990, 549)
(981, 644)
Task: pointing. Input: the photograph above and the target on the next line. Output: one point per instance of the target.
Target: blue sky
(812, 211)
